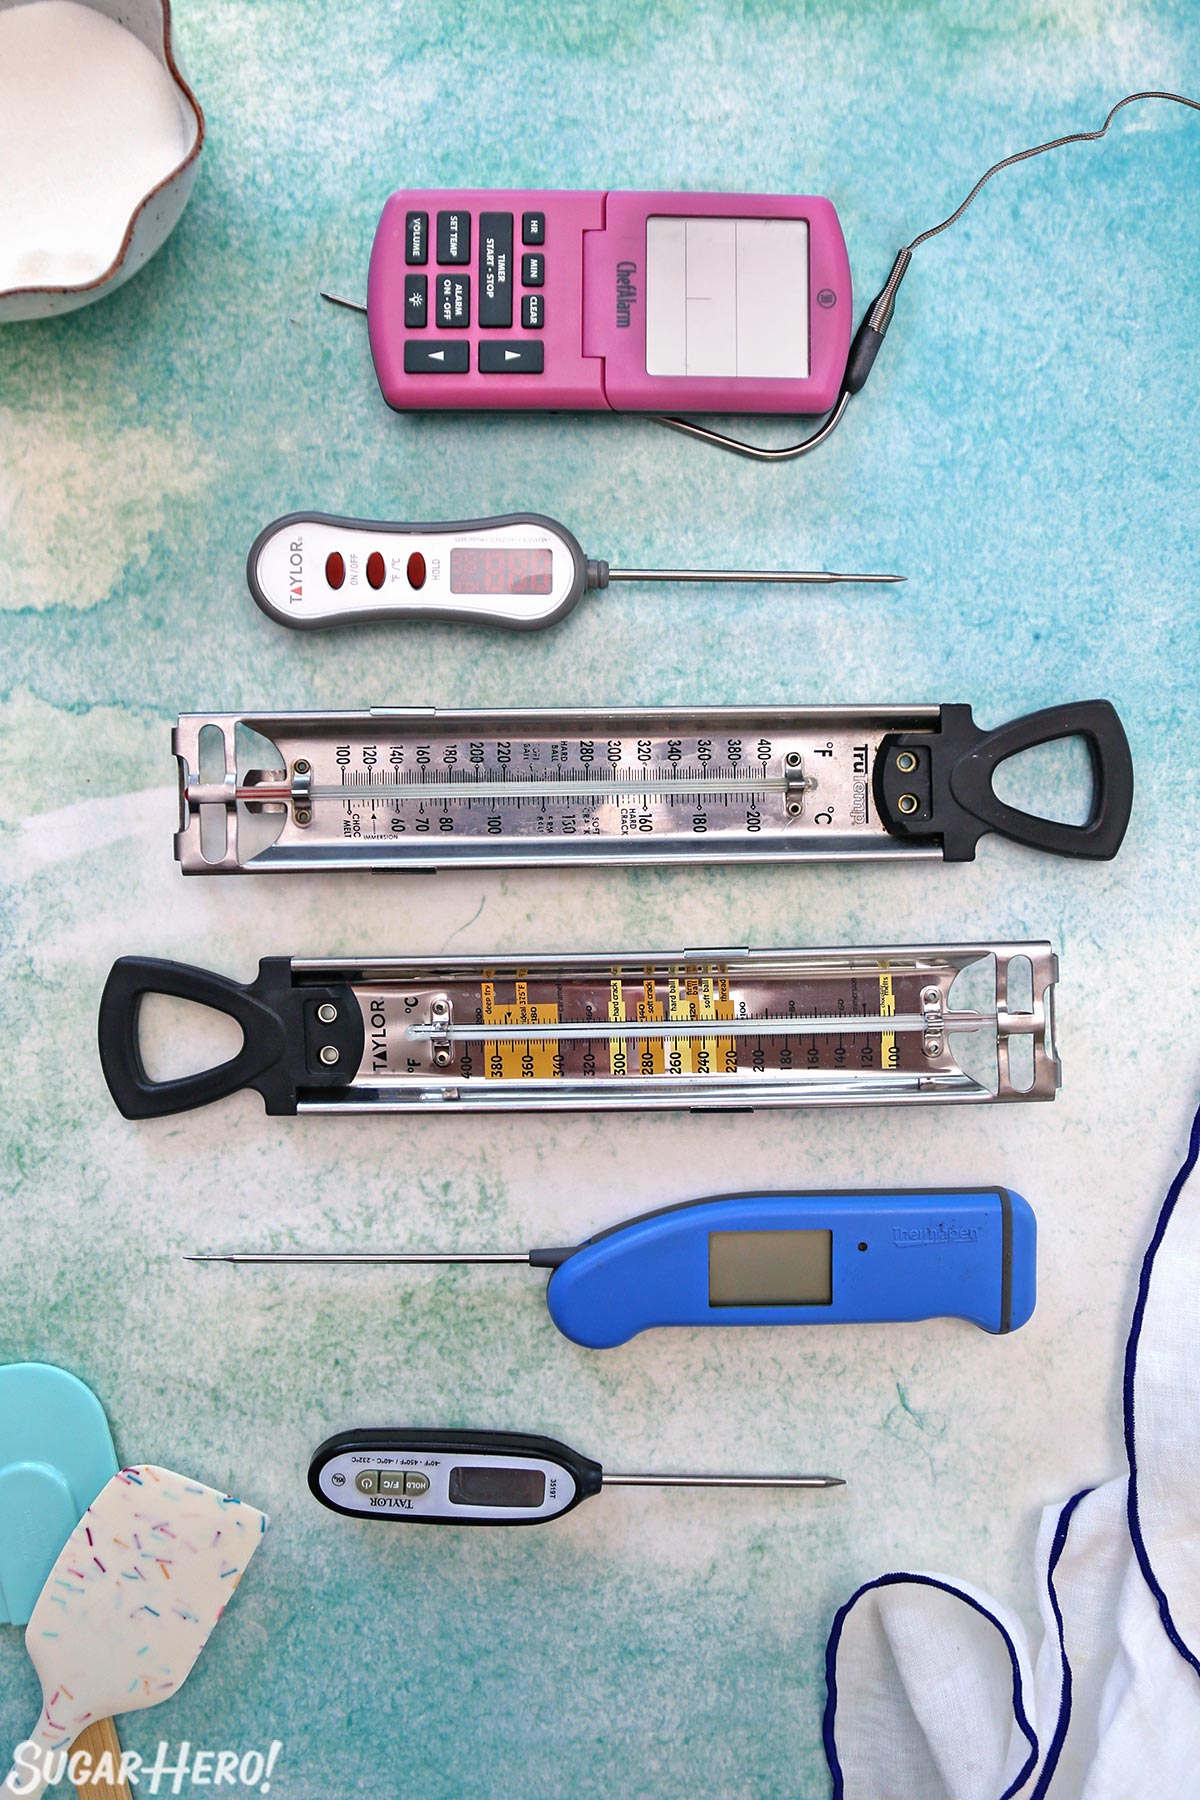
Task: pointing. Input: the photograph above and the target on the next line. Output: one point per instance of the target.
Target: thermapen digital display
(772, 1259)
(770, 1268)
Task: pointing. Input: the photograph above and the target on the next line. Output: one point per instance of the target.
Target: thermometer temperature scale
(775, 1259)
(698, 1029)
(420, 789)
(482, 1477)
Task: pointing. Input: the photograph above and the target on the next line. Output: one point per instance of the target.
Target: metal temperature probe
(523, 571)
(482, 1477)
(691, 1028)
(419, 789)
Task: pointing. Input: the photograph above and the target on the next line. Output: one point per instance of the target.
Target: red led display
(500, 571)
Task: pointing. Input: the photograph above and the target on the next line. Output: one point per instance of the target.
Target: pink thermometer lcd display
(500, 571)
(628, 302)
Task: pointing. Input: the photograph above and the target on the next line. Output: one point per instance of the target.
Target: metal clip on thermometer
(482, 1477)
(522, 570)
(776, 1259)
(731, 1029)
(419, 789)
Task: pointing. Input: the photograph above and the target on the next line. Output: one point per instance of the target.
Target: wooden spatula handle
(97, 1738)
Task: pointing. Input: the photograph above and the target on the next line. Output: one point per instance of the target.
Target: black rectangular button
(500, 356)
(495, 268)
(533, 312)
(416, 300)
(416, 237)
(533, 228)
(533, 269)
(452, 308)
(454, 237)
(425, 356)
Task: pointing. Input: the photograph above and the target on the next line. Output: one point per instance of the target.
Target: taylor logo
(296, 569)
(626, 294)
(913, 1237)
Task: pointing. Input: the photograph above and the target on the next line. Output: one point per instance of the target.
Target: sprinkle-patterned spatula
(129, 1605)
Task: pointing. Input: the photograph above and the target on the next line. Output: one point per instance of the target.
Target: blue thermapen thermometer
(779, 1259)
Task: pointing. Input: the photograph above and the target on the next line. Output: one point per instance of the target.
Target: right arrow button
(500, 356)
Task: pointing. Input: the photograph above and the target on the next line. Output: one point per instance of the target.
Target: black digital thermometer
(482, 1477)
(779, 1259)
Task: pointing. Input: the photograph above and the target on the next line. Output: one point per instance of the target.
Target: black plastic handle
(939, 785)
(587, 1475)
(278, 1021)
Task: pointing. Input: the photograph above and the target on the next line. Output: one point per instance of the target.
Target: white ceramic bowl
(154, 216)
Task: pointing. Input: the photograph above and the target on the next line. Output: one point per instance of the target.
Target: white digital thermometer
(522, 570)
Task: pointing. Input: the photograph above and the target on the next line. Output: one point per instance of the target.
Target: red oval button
(376, 569)
(416, 570)
(335, 569)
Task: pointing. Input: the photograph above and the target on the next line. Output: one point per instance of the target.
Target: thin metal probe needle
(340, 300)
(797, 577)
(357, 1257)
(734, 1481)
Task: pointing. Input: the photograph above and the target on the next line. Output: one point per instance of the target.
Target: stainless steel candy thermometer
(420, 789)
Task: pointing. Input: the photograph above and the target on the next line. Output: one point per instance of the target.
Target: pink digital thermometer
(634, 302)
(622, 302)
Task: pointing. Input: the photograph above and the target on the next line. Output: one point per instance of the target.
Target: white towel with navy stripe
(935, 1691)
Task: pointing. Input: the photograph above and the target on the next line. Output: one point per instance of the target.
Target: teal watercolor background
(1026, 453)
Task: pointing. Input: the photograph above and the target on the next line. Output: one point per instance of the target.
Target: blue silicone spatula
(56, 1455)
